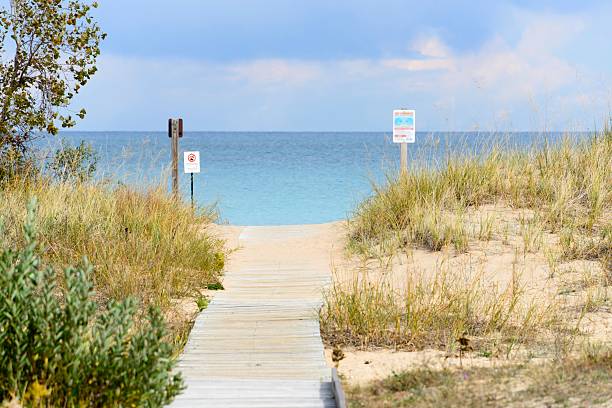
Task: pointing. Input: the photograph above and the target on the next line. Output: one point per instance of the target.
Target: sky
(344, 65)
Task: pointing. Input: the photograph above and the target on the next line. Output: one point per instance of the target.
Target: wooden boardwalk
(258, 343)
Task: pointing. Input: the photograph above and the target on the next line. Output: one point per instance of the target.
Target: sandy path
(258, 343)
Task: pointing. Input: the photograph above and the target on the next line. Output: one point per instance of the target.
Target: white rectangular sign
(191, 161)
(404, 126)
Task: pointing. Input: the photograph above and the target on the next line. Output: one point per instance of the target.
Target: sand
(498, 260)
(321, 242)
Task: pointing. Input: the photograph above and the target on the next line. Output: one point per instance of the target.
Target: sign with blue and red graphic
(404, 126)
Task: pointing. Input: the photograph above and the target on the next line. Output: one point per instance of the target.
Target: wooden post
(175, 181)
(403, 159)
(175, 130)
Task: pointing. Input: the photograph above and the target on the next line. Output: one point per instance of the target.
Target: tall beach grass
(433, 312)
(140, 242)
(568, 185)
(581, 380)
(562, 190)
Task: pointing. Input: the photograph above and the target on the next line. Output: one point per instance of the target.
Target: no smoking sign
(191, 162)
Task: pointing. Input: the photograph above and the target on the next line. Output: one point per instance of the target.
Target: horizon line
(334, 131)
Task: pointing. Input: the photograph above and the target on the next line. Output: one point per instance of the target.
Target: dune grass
(569, 186)
(583, 380)
(567, 191)
(140, 243)
(434, 312)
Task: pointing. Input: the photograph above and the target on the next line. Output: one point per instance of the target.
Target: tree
(48, 52)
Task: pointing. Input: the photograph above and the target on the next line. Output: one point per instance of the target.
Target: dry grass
(566, 189)
(432, 311)
(559, 201)
(596, 246)
(585, 380)
(568, 186)
(141, 243)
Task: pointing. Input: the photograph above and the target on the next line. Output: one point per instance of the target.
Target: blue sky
(345, 65)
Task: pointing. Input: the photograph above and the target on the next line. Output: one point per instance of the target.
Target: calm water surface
(279, 178)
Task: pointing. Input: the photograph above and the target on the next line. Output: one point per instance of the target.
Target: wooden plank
(338, 390)
(258, 343)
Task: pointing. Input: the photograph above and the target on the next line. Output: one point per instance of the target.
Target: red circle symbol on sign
(191, 157)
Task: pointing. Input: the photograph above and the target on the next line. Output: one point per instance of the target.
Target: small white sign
(191, 160)
(404, 126)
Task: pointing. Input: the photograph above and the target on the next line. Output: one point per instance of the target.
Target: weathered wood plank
(258, 343)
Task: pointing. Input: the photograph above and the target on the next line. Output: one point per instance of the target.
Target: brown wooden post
(403, 158)
(175, 131)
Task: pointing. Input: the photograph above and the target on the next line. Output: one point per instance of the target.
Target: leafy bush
(73, 164)
(58, 349)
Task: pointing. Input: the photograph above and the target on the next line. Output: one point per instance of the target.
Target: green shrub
(73, 164)
(202, 302)
(57, 348)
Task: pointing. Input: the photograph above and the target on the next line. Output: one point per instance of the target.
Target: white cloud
(502, 81)
(275, 71)
(504, 71)
(419, 65)
(430, 47)
(508, 73)
(547, 33)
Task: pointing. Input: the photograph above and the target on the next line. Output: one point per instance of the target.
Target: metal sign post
(191, 163)
(175, 131)
(404, 132)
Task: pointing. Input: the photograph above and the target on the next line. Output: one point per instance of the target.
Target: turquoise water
(277, 178)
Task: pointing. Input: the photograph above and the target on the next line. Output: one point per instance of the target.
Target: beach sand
(497, 259)
(320, 242)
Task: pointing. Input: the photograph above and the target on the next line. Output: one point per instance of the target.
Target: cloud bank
(528, 82)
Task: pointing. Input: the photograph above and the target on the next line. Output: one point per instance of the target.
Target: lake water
(275, 178)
